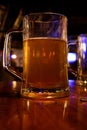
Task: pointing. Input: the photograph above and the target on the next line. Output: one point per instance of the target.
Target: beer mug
(44, 46)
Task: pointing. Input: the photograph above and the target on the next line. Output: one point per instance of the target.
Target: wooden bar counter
(18, 113)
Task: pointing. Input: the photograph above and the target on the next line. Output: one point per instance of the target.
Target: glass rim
(46, 13)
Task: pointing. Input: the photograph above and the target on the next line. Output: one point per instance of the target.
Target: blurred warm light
(85, 89)
(28, 103)
(14, 84)
(65, 106)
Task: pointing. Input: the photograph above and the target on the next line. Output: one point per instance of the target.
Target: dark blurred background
(12, 12)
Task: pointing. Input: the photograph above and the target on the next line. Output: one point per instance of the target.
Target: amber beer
(45, 63)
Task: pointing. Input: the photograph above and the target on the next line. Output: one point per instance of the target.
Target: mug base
(45, 93)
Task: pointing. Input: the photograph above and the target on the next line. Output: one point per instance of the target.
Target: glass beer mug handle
(7, 55)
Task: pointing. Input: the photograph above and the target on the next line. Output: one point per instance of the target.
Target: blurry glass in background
(82, 60)
(77, 58)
